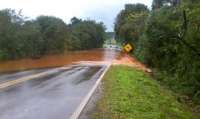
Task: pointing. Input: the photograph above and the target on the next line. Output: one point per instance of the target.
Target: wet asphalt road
(53, 97)
(15, 75)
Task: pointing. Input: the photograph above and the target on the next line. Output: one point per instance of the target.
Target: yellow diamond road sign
(128, 47)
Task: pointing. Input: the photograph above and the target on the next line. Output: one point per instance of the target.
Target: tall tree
(130, 22)
(86, 35)
(10, 25)
(156, 4)
(54, 32)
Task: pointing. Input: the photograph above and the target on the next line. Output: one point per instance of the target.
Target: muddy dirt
(125, 59)
(59, 60)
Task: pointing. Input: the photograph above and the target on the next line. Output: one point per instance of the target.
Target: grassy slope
(130, 94)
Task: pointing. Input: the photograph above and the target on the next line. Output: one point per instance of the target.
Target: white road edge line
(86, 99)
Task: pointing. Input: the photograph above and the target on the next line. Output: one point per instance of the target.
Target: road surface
(12, 76)
(54, 97)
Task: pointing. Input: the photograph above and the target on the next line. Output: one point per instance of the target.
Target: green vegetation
(129, 24)
(131, 94)
(167, 40)
(109, 37)
(86, 34)
(20, 37)
(110, 40)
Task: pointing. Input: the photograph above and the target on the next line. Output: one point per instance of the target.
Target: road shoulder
(130, 93)
(91, 105)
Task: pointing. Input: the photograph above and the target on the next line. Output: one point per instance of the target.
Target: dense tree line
(110, 35)
(20, 37)
(85, 34)
(166, 38)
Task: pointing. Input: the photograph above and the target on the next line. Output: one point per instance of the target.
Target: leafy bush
(167, 52)
(169, 43)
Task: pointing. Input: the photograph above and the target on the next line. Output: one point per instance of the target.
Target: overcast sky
(100, 10)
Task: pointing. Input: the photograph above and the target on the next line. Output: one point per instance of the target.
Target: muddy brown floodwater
(59, 60)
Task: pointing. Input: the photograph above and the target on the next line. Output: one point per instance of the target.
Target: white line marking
(84, 102)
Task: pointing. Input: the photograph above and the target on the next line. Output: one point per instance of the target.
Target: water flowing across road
(59, 60)
(55, 96)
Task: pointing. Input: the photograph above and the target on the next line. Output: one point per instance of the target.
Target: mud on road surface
(59, 60)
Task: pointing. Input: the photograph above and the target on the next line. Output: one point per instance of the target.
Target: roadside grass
(131, 94)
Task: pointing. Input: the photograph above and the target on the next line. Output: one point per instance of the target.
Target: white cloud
(102, 10)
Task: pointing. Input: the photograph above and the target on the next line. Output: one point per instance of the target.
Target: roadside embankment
(129, 93)
(132, 62)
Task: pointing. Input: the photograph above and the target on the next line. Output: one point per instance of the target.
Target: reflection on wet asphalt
(54, 97)
(87, 75)
(16, 75)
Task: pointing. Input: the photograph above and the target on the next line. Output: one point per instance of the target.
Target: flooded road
(59, 60)
(55, 96)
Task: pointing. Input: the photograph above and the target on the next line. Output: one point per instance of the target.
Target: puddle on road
(59, 60)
